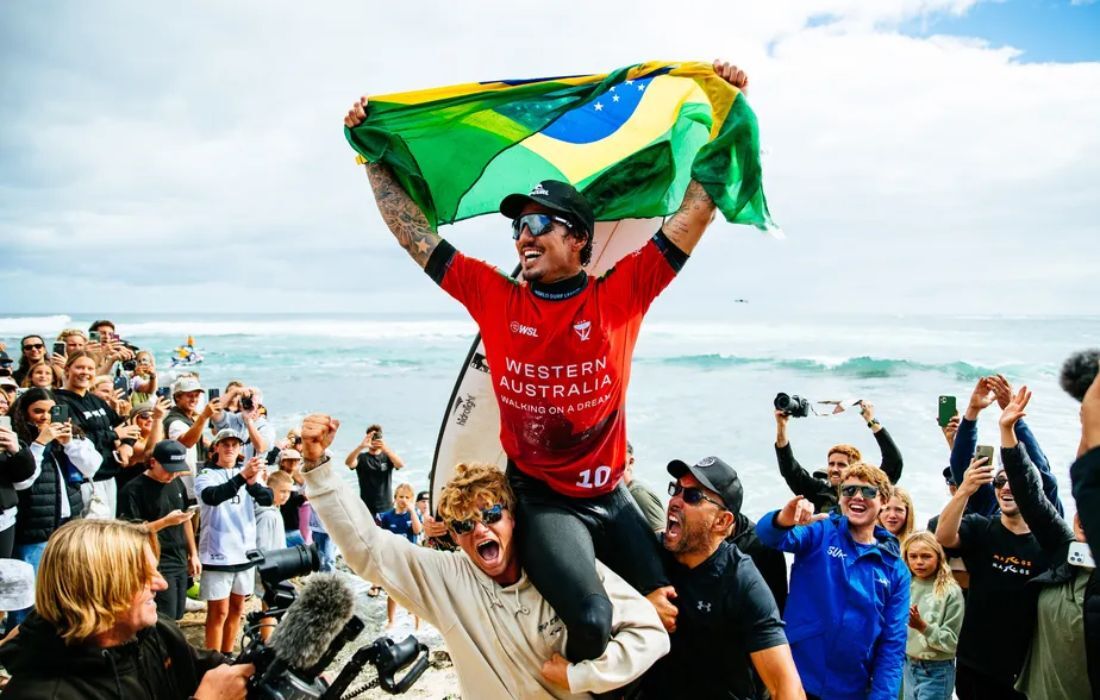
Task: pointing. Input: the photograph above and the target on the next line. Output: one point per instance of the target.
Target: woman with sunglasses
(506, 639)
(849, 599)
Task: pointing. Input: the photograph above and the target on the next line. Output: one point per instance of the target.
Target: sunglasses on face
(488, 516)
(34, 346)
(869, 492)
(691, 495)
(537, 224)
(999, 481)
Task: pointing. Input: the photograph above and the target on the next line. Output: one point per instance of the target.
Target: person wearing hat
(848, 609)
(228, 494)
(727, 626)
(185, 423)
(295, 511)
(157, 497)
(559, 344)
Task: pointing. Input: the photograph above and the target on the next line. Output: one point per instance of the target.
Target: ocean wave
(863, 367)
(22, 325)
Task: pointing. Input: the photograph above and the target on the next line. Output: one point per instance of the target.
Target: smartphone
(947, 410)
(212, 394)
(122, 384)
(5, 422)
(59, 413)
(164, 392)
(1080, 555)
(59, 348)
(93, 336)
(987, 452)
(193, 509)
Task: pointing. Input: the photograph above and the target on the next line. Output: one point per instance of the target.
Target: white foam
(22, 325)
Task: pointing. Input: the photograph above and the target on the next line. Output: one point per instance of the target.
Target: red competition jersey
(560, 368)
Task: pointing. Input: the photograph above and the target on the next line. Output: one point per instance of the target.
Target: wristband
(873, 422)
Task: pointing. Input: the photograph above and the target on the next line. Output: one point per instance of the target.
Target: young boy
(271, 534)
(227, 494)
(403, 519)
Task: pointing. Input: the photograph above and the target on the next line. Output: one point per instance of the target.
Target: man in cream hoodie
(505, 639)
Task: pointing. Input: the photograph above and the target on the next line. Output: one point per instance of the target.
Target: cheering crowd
(871, 603)
(558, 576)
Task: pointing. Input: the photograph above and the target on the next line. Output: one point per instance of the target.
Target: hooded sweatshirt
(848, 608)
(157, 663)
(98, 421)
(499, 636)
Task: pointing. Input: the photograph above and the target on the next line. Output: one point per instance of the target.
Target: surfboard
(470, 430)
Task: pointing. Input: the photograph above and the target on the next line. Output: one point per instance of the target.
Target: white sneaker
(193, 606)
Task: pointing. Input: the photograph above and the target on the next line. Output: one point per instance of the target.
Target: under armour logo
(539, 189)
(704, 607)
(583, 329)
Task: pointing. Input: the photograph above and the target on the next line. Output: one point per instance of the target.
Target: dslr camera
(792, 405)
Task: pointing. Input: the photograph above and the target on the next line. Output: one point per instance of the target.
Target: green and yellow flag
(629, 140)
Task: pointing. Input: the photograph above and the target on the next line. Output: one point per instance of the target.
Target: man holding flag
(559, 345)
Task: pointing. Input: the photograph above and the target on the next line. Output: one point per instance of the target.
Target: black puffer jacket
(98, 421)
(158, 665)
(40, 505)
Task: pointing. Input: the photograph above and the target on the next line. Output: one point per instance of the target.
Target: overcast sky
(938, 156)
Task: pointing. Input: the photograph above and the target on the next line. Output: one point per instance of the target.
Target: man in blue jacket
(849, 602)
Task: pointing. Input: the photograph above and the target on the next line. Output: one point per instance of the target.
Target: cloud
(193, 158)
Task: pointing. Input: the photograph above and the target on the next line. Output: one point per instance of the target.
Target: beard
(693, 537)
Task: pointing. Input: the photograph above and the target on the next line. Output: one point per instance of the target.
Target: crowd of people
(561, 575)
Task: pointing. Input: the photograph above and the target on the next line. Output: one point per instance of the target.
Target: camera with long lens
(792, 405)
(293, 674)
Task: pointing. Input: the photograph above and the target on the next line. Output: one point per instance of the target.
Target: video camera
(792, 405)
(315, 626)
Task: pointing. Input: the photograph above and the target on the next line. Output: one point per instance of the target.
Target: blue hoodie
(848, 609)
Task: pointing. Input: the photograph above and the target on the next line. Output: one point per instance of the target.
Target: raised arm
(1023, 478)
(686, 226)
(800, 481)
(983, 501)
(947, 530)
(404, 218)
(891, 462)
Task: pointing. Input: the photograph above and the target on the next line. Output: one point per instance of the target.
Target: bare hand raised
(798, 511)
(732, 74)
(1014, 409)
(357, 113)
(318, 432)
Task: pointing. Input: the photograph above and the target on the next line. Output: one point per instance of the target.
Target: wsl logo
(529, 331)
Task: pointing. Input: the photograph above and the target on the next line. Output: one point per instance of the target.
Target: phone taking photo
(948, 410)
(5, 422)
(985, 451)
(212, 394)
(1079, 554)
(59, 348)
(59, 413)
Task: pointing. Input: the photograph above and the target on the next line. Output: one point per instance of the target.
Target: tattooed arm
(400, 213)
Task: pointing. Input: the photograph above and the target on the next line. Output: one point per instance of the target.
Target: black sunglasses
(488, 516)
(691, 495)
(999, 481)
(537, 224)
(34, 346)
(849, 491)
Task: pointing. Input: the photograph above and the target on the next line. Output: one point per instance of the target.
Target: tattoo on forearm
(696, 211)
(401, 214)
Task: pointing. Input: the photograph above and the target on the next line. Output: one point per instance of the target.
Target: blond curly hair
(473, 487)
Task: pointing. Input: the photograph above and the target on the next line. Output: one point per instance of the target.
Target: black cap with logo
(556, 195)
(715, 475)
(172, 455)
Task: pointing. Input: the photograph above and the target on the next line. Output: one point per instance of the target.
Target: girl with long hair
(935, 617)
(898, 515)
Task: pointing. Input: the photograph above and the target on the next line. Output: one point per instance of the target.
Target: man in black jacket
(69, 650)
(822, 492)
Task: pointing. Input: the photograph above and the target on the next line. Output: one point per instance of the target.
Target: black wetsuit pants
(559, 540)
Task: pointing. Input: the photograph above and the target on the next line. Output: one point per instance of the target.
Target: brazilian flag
(630, 140)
